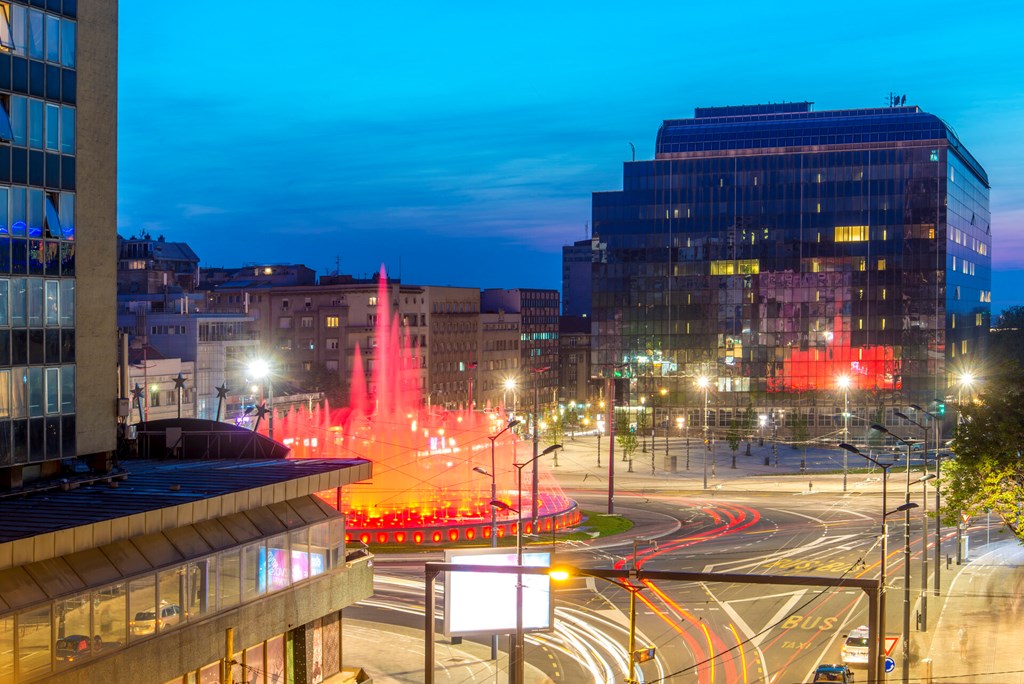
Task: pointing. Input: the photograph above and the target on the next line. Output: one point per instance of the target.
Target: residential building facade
(775, 249)
(538, 314)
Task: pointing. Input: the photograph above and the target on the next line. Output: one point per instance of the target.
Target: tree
(749, 422)
(625, 435)
(321, 379)
(733, 434)
(987, 473)
(1011, 317)
(555, 427)
(800, 436)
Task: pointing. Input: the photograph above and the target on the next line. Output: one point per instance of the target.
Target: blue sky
(459, 142)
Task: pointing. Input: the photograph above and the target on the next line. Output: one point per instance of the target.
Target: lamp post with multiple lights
(924, 528)
(516, 672)
(937, 422)
(905, 666)
(494, 512)
(876, 647)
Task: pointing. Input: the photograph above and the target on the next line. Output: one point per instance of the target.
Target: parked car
(72, 647)
(839, 674)
(855, 650)
(146, 621)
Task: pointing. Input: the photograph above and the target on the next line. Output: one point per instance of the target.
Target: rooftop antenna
(633, 147)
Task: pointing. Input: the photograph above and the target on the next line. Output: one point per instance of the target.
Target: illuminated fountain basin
(424, 489)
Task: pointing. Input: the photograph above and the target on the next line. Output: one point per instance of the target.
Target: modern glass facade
(37, 231)
(775, 249)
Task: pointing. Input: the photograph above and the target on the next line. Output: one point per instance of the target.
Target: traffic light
(941, 408)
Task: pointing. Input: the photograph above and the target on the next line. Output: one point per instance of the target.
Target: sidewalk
(985, 598)
(394, 655)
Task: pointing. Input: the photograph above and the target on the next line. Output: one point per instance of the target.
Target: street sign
(890, 644)
(643, 655)
(890, 664)
(966, 517)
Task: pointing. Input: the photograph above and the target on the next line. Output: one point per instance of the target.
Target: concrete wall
(168, 656)
(96, 239)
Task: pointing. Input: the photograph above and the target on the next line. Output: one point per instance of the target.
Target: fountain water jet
(424, 489)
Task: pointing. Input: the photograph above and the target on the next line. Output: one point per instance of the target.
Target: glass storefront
(60, 634)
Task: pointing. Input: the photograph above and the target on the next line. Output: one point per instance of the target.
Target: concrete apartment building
(498, 370)
(129, 570)
(538, 350)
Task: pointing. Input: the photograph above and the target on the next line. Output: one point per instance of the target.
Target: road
(708, 632)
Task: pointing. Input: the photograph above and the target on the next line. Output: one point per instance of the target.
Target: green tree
(988, 472)
(733, 435)
(321, 379)
(625, 435)
(799, 431)
(749, 421)
(555, 431)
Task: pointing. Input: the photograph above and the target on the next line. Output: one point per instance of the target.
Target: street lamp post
(518, 663)
(924, 524)
(938, 478)
(668, 423)
(260, 368)
(642, 427)
(844, 383)
(905, 667)
(535, 480)
(510, 384)
(494, 512)
(876, 647)
(703, 383)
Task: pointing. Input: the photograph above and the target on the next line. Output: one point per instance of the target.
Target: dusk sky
(459, 143)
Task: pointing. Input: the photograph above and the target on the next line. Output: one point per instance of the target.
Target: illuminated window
(372, 301)
(884, 293)
(860, 324)
(953, 320)
(977, 319)
(881, 264)
(815, 266)
(883, 324)
(6, 36)
(332, 321)
(963, 347)
(742, 267)
(862, 264)
(851, 233)
(819, 207)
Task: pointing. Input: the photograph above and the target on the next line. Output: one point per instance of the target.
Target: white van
(855, 650)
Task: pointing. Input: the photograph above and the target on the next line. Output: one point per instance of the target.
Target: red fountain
(424, 489)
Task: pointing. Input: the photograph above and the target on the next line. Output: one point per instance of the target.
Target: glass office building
(775, 249)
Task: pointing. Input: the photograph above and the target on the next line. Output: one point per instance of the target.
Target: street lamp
(876, 647)
(494, 513)
(844, 384)
(668, 419)
(643, 425)
(703, 382)
(516, 672)
(510, 386)
(905, 668)
(938, 476)
(966, 380)
(924, 523)
(260, 368)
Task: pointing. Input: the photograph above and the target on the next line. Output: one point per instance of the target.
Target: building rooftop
(771, 127)
(147, 496)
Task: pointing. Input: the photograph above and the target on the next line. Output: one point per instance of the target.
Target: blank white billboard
(485, 602)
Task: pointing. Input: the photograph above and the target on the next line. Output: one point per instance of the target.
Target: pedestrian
(962, 637)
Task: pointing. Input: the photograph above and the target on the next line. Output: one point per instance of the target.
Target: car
(72, 647)
(146, 621)
(855, 649)
(837, 673)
